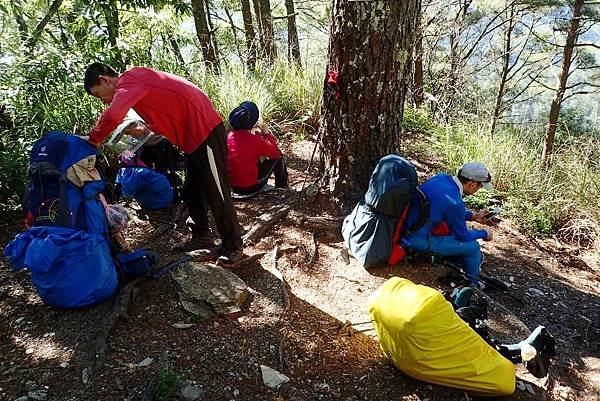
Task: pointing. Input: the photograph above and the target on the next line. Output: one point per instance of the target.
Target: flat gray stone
(189, 392)
(272, 378)
(207, 290)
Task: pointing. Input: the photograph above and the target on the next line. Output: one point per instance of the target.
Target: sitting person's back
(252, 153)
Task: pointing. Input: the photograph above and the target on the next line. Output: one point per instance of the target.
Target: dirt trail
(300, 330)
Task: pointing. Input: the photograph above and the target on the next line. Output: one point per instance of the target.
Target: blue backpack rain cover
(66, 249)
(369, 230)
(150, 188)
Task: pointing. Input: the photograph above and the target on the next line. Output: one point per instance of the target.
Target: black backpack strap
(424, 202)
(63, 202)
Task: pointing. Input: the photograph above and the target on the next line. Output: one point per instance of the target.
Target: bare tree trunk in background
(562, 82)
(259, 24)
(293, 43)
(455, 58)
(39, 28)
(212, 32)
(234, 29)
(111, 15)
(202, 31)
(364, 123)
(505, 68)
(267, 38)
(172, 41)
(249, 32)
(418, 71)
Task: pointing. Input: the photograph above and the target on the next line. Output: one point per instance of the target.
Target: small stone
(39, 395)
(63, 365)
(536, 291)
(145, 363)
(529, 388)
(520, 385)
(188, 392)
(215, 324)
(85, 376)
(240, 319)
(29, 351)
(512, 279)
(272, 378)
(24, 398)
(236, 392)
(18, 321)
(182, 325)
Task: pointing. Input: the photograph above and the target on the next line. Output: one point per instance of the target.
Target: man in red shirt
(253, 154)
(178, 110)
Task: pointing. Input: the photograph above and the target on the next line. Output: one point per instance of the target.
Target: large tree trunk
(418, 71)
(267, 38)
(453, 88)
(293, 43)
(562, 82)
(499, 104)
(364, 122)
(249, 32)
(203, 33)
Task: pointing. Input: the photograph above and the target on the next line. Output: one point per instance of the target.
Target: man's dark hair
(463, 180)
(92, 75)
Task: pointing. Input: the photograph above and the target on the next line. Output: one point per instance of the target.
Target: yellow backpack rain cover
(419, 331)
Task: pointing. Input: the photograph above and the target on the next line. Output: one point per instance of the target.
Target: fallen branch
(264, 223)
(118, 312)
(286, 306)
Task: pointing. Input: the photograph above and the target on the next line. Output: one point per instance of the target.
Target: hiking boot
(544, 344)
(229, 257)
(193, 244)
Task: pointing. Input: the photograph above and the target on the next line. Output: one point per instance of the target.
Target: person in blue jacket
(444, 193)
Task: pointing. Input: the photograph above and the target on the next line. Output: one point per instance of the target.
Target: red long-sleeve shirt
(170, 106)
(244, 150)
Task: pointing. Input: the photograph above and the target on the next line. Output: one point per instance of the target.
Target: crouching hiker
(177, 109)
(444, 231)
(252, 152)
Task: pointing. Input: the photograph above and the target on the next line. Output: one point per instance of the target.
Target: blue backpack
(67, 247)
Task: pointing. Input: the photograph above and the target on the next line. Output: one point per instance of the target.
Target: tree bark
(455, 58)
(249, 32)
(418, 71)
(363, 121)
(562, 82)
(203, 34)
(293, 43)
(267, 38)
(505, 68)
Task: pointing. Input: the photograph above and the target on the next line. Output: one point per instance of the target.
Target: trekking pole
(484, 279)
(331, 82)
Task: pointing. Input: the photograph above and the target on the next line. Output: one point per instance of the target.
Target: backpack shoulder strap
(424, 202)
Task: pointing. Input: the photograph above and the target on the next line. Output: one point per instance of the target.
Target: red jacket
(170, 106)
(244, 150)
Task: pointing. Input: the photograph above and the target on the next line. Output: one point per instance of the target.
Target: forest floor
(299, 329)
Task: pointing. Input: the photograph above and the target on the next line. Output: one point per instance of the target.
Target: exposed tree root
(264, 223)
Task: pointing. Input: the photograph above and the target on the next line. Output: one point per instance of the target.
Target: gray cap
(474, 171)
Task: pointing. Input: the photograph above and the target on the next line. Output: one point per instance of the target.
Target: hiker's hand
(489, 236)
(481, 216)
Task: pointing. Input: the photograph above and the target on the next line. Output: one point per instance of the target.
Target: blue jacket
(150, 188)
(445, 205)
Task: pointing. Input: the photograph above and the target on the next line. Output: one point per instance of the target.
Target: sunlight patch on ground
(44, 348)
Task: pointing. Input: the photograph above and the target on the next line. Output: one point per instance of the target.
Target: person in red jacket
(252, 153)
(178, 110)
